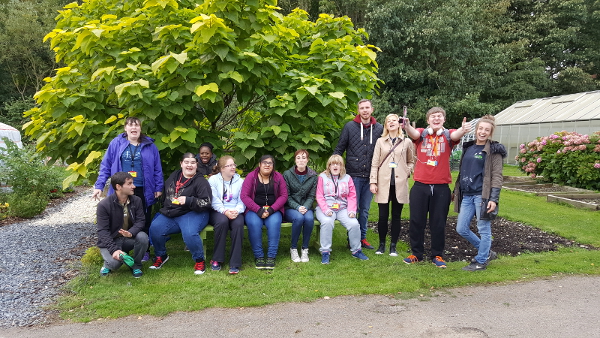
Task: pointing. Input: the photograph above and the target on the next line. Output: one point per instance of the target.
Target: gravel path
(39, 256)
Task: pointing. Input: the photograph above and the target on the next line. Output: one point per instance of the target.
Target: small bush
(565, 158)
(92, 257)
(27, 206)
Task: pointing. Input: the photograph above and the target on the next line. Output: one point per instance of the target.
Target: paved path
(553, 307)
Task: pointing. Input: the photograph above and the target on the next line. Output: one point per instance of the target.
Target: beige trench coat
(404, 156)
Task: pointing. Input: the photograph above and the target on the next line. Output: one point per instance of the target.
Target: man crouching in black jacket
(120, 220)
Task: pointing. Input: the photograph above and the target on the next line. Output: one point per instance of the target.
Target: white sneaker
(304, 257)
(295, 257)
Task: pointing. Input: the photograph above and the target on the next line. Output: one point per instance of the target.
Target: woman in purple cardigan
(264, 193)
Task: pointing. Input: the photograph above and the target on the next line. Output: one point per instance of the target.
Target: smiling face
(133, 131)
(205, 154)
(189, 166)
(365, 109)
(483, 132)
(436, 121)
(228, 170)
(392, 123)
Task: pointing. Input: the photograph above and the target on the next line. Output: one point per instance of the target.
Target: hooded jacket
(216, 184)
(358, 142)
(197, 194)
(109, 220)
(492, 173)
(151, 167)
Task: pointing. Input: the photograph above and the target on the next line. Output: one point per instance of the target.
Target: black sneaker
(270, 263)
(493, 255)
(365, 244)
(260, 263)
(475, 266)
(380, 249)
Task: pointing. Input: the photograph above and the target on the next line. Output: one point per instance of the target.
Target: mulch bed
(509, 238)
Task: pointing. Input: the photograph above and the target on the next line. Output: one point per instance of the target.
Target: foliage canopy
(197, 71)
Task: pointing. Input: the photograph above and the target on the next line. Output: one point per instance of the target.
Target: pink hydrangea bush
(564, 157)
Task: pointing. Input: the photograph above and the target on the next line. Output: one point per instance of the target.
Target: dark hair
(134, 120)
(208, 145)
(264, 157)
(119, 178)
(188, 155)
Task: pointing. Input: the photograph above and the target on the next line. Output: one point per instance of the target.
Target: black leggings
(384, 212)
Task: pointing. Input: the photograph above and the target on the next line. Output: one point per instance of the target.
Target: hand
(329, 213)
(265, 214)
(96, 194)
(125, 233)
(491, 206)
(231, 214)
(181, 199)
(116, 254)
(373, 188)
(352, 214)
(302, 209)
(406, 123)
(157, 194)
(466, 127)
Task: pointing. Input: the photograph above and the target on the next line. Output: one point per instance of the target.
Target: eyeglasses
(266, 163)
(230, 166)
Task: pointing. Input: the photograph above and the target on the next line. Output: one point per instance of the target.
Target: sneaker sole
(439, 266)
(379, 253)
(160, 266)
(198, 272)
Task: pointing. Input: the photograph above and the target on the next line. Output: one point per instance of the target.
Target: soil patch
(509, 238)
(543, 188)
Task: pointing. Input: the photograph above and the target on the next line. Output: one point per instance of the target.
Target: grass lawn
(176, 288)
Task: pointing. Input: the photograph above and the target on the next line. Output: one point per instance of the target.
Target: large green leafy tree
(436, 52)
(198, 71)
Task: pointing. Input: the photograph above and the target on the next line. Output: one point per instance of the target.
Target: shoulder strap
(388, 154)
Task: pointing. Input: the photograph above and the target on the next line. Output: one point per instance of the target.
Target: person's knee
(141, 237)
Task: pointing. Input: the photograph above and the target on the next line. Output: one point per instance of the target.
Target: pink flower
(523, 160)
(522, 151)
(539, 160)
(522, 146)
(597, 165)
(532, 175)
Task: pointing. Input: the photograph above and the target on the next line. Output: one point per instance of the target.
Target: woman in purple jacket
(264, 192)
(135, 153)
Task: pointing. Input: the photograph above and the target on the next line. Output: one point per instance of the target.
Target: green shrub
(565, 158)
(92, 257)
(26, 172)
(27, 206)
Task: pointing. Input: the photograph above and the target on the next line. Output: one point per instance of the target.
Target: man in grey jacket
(120, 221)
(358, 141)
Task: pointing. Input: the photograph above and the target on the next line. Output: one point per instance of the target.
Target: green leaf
(209, 87)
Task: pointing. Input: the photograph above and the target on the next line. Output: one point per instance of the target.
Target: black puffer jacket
(197, 194)
(109, 218)
(359, 153)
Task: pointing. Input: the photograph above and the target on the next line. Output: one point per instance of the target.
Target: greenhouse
(526, 120)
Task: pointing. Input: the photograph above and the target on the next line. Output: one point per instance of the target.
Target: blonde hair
(385, 129)
(338, 160)
(488, 119)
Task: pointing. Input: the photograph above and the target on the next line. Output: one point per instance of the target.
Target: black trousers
(432, 199)
(384, 212)
(222, 225)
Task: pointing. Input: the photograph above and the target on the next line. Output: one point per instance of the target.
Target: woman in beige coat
(393, 162)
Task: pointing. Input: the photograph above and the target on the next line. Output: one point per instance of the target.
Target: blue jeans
(469, 207)
(363, 198)
(300, 224)
(189, 225)
(273, 225)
